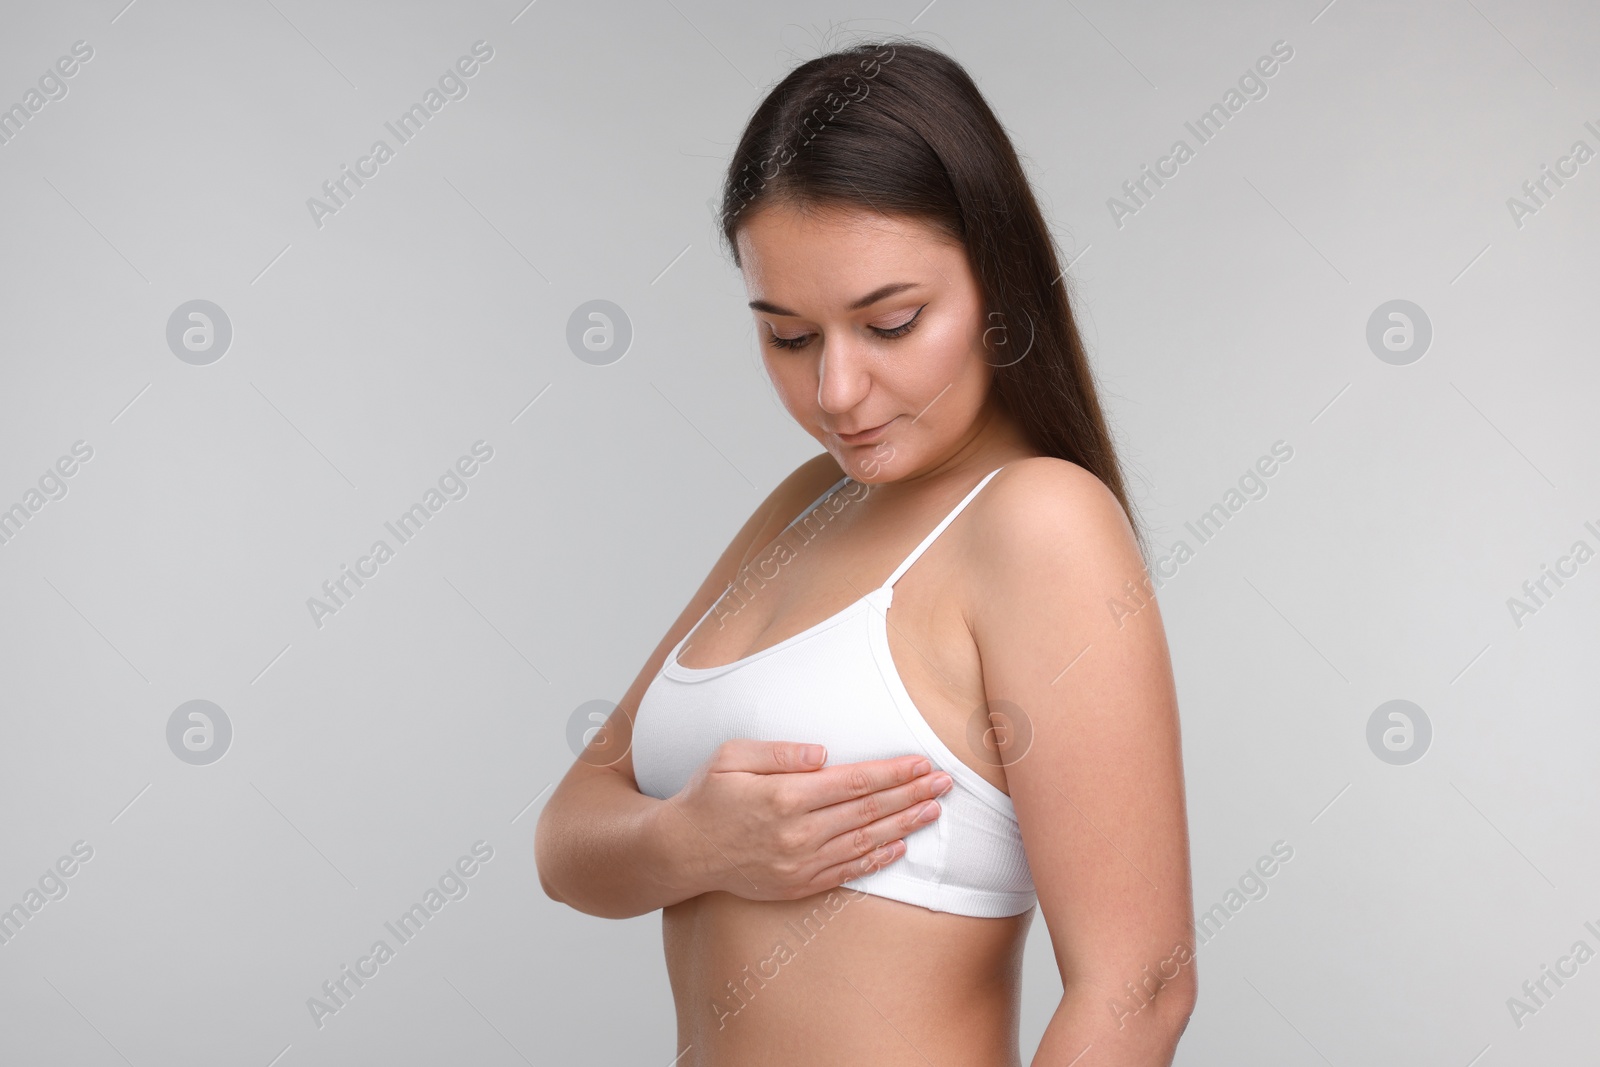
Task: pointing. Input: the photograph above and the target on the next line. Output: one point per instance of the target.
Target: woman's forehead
(784, 253)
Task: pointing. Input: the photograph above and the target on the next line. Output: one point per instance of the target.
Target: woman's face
(866, 320)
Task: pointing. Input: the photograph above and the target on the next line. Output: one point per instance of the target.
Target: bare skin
(769, 959)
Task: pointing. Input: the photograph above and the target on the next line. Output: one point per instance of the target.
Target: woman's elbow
(544, 858)
(1159, 1003)
(559, 865)
(1181, 1007)
(549, 890)
(1175, 1003)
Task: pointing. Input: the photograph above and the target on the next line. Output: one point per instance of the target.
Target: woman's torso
(842, 977)
(845, 975)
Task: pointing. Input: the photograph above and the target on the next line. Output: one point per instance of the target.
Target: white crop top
(835, 684)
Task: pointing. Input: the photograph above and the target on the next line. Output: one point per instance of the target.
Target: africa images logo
(452, 885)
(452, 86)
(452, 485)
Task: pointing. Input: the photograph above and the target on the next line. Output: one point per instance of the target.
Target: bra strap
(939, 529)
(813, 505)
(673, 657)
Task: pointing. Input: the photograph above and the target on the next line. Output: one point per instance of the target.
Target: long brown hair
(901, 129)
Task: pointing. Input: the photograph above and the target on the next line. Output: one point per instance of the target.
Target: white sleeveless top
(835, 684)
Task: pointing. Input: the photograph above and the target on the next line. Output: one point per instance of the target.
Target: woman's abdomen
(842, 976)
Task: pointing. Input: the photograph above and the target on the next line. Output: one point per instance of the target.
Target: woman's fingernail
(921, 767)
(929, 811)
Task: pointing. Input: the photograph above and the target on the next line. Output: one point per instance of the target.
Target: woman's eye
(888, 333)
(902, 329)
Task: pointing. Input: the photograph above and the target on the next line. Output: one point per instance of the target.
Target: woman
(769, 780)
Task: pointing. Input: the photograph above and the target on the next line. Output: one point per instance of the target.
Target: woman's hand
(774, 824)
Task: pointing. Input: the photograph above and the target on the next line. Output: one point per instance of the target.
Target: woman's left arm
(1081, 697)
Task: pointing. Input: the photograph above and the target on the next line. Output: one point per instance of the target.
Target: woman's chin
(860, 464)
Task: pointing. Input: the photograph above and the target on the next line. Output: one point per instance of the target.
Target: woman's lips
(865, 436)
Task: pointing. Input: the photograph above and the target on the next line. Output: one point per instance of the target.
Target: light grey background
(431, 312)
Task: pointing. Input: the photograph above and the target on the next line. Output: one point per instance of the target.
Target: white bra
(835, 684)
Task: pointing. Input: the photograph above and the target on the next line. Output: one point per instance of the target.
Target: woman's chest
(862, 683)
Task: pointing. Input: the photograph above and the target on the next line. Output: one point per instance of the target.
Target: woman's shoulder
(1046, 504)
(800, 487)
(1047, 555)
(814, 476)
(1047, 481)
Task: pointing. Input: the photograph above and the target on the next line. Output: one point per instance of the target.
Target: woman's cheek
(944, 349)
(796, 390)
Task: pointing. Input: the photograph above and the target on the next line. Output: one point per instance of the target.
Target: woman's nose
(843, 376)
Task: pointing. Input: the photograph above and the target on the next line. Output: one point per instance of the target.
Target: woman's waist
(723, 946)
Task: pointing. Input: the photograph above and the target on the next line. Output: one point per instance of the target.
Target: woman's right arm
(608, 850)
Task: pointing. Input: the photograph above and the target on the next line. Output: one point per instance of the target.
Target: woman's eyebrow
(871, 298)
